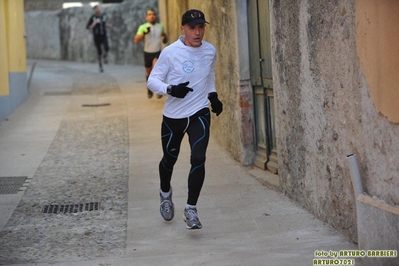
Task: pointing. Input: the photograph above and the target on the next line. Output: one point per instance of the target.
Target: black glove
(217, 106)
(180, 91)
(148, 30)
(165, 39)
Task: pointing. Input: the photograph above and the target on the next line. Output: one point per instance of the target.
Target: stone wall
(36, 5)
(43, 35)
(62, 34)
(41, 5)
(324, 112)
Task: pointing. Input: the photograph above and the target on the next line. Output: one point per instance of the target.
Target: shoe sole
(167, 219)
(195, 226)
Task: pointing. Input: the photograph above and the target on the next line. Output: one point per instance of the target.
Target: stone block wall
(62, 34)
(36, 5)
(41, 5)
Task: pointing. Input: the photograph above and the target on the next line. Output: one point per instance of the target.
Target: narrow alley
(93, 140)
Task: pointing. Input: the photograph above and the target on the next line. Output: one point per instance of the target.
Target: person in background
(153, 34)
(185, 72)
(98, 23)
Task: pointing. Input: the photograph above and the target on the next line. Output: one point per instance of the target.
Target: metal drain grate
(96, 105)
(71, 208)
(57, 93)
(11, 184)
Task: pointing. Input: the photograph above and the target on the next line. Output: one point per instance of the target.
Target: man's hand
(165, 39)
(181, 90)
(217, 106)
(147, 31)
(95, 21)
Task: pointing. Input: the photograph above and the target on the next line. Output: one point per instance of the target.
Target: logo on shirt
(188, 66)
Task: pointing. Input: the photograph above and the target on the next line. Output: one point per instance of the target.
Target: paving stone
(87, 162)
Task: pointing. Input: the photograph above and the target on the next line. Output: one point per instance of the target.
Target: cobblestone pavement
(88, 162)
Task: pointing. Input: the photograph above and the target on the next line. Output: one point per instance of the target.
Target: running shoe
(167, 209)
(191, 218)
(149, 93)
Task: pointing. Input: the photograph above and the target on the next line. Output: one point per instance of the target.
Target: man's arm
(163, 35)
(138, 38)
(211, 77)
(94, 21)
(216, 104)
(89, 23)
(141, 32)
(164, 38)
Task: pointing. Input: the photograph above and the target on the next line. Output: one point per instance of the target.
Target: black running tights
(173, 130)
(101, 40)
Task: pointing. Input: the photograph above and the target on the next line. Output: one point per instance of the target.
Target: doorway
(262, 84)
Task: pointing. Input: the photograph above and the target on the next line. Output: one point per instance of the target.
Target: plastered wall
(325, 112)
(13, 87)
(377, 46)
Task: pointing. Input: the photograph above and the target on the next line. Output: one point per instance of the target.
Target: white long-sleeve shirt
(177, 64)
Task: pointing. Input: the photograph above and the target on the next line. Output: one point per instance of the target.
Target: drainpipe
(355, 174)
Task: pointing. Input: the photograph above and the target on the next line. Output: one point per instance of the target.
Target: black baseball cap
(193, 17)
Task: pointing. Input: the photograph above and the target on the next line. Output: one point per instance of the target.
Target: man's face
(193, 34)
(151, 17)
(97, 10)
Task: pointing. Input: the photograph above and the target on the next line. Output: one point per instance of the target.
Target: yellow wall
(12, 41)
(15, 35)
(377, 39)
(4, 82)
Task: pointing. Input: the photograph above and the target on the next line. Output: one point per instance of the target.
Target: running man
(98, 23)
(153, 34)
(188, 68)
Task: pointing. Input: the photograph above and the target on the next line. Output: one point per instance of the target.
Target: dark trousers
(101, 40)
(173, 130)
